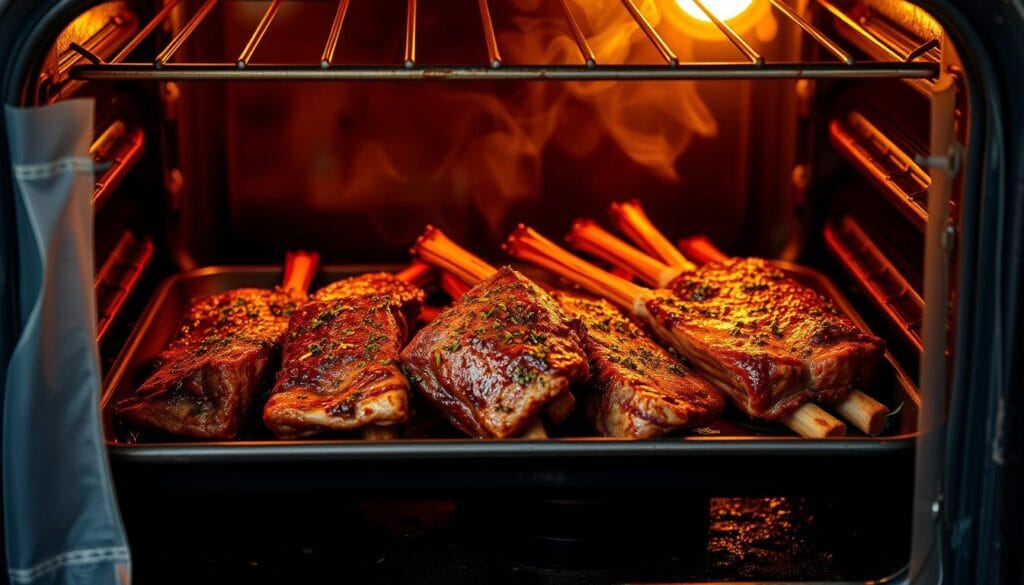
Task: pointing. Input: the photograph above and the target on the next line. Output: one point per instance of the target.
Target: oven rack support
(887, 288)
(754, 65)
(885, 163)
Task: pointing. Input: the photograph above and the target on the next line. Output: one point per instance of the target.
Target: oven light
(723, 9)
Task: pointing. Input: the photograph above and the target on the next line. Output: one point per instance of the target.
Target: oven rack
(897, 64)
(118, 278)
(889, 167)
(115, 153)
(878, 277)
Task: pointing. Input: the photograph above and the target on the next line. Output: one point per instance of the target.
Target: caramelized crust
(408, 298)
(207, 377)
(639, 389)
(340, 368)
(493, 360)
(761, 337)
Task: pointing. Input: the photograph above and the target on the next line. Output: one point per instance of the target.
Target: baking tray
(735, 451)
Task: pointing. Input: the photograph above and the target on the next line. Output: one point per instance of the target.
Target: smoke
(442, 151)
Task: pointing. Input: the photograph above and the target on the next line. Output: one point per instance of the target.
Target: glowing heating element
(723, 9)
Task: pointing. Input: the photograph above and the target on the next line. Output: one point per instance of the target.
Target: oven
(158, 152)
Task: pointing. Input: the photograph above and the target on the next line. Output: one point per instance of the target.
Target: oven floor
(312, 539)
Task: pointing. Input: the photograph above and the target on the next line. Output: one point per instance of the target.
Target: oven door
(979, 455)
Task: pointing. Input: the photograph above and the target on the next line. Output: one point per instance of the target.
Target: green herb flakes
(676, 369)
(523, 375)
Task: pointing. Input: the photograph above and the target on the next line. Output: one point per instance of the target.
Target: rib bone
(638, 389)
(864, 412)
(527, 244)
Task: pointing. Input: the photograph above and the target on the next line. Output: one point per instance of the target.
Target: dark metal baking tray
(735, 451)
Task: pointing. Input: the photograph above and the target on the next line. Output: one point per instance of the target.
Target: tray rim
(190, 451)
(451, 449)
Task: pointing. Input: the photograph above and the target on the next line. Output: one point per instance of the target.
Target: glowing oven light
(723, 9)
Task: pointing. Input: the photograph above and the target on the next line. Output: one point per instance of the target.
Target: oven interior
(248, 155)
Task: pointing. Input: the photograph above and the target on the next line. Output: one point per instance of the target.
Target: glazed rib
(499, 356)
(637, 390)
(340, 368)
(838, 355)
(749, 378)
(557, 410)
(209, 375)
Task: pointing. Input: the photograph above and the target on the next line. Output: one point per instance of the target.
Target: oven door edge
(965, 529)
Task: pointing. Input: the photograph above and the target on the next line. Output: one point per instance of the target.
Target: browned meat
(207, 377)
(407, 297)
(340, 368)
(640, 390)
(493, 360)
(763, 377)
(768, 341)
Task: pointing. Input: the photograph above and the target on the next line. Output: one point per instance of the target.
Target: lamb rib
(863, 411)
(639, 390)
(499, 356)
(836, 354)
(557, 410)
(340, 362)
(835, 368)
(209, 375)
(761, 384)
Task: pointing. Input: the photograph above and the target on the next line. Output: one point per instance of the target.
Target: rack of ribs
(637, 389)
(340, 361)
(839, 356)
(500, 356)
(209, 375)
(765, 384)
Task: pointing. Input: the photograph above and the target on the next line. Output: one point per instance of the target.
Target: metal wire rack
(882, 161)
(752, 66)
(885, 285)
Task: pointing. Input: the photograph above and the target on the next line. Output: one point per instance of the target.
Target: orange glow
(723, 9)
(359, 151)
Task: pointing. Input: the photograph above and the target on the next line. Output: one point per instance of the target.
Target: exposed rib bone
(435, 248)
(587, 236)
(462, 268)
(811, 421)
(629, 217)
(416, 273)
(701, 250)
(864, 412)
(453, 286)
(299, 269)
(526, 244)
